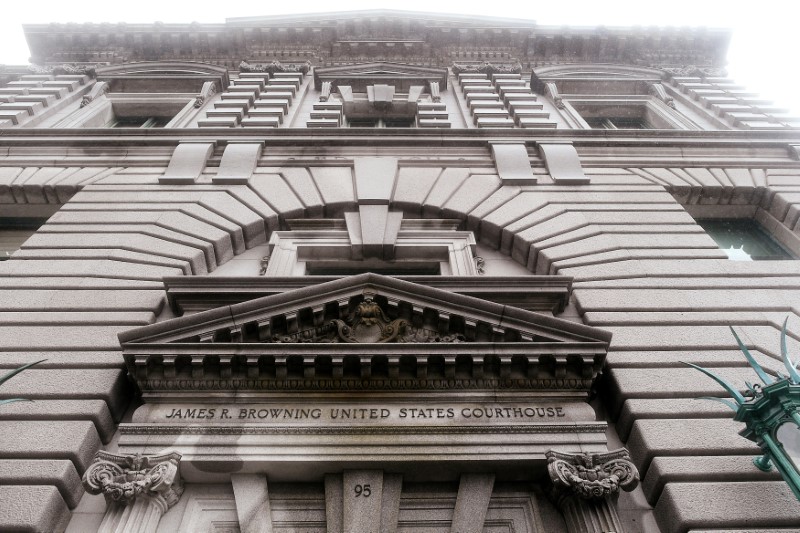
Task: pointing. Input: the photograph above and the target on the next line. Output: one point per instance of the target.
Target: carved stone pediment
(371, 328)
(361, 75)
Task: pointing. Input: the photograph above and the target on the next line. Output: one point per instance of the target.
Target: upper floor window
(610, 97)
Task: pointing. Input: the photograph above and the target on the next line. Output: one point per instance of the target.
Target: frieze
(275, 66)
(156, 384)
(487, 68)
(65, 68)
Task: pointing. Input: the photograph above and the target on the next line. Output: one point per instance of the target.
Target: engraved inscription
(401, 414)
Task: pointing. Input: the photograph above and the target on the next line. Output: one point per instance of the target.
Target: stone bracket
(238, 163)
(563, 163)
(187, 162)
(513, 164)
(794, 151)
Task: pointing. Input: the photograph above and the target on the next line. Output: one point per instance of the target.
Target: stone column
(138, 489)
(586, 487)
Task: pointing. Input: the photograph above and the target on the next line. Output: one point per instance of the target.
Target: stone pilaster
(138, 489)
(586, 486)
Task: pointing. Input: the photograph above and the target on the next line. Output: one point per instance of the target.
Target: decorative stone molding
(74, 69)
(138, 489)
(436, 95)
(123, 478)
(325, 91)
(586, 485)
(487, 68)
(552, 92)
(100, 88)
(657, 90)
(275, 66)
(209, 89)
(693, 70)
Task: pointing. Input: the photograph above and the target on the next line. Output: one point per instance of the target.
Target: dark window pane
(744, 240)
(399, 269)
(398, 122)
(363, 122)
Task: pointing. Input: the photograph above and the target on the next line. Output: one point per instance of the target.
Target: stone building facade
(385, 271)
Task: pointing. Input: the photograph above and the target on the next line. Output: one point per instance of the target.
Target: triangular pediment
(380, 72)
(366, 331)
(298, 313)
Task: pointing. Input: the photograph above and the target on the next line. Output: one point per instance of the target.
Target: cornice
(323, 39)
(533, 293)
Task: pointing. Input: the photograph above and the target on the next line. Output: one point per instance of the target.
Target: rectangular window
(744, 240)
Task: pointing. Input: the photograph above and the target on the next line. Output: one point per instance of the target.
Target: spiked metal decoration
(771, 413)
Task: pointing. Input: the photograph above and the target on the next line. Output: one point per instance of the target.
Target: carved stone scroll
(100, 88)
(552, 92)
(325, 93)
(138, 489)
(436, 95)
(586, 486)
(657, 90)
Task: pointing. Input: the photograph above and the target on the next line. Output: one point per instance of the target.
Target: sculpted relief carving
(368, 323)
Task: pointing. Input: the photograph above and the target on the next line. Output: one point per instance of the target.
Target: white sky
(762, 54)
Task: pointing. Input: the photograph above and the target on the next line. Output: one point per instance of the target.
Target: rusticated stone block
(58, 473)
(664, 470)
(686, 506)
(32, 509)
(652, 438)
(76, 441)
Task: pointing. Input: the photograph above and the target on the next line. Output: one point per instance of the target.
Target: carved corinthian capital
(124, 478)
(586, 486)
(592, 475)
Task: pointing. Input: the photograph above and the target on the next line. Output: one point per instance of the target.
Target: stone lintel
(563, 163)
(188, 161)
(513, 164)
(238, 162)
